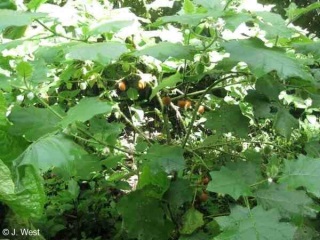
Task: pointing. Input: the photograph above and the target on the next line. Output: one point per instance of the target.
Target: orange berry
(122, 86)
(201, 109)
(142, 84)
(203, 197)
(181, 103)
(166, 100)
(188, 104)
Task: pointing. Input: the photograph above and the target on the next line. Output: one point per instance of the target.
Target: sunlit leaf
(285, 123)
(165, 50)
(14, 18)
(288, 202)
(262, 60)
(27, 197)
(191, 220)
(254, 224)
(32, 122)
(103, 53)
(226, 119)
(168, 82)
(149, 223)
(230, 182)
(303, 172)
(85, 110)
(165, 158)
(55, 151)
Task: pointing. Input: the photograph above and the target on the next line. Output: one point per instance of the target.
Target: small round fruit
(200, 68)
(142, 84)
(201, 109)
(205, 180)
(188, 104)
(122, 86)
(166, 100)
(203, 197)
(181, 103)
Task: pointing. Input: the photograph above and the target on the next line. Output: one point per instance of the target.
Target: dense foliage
(159, 120)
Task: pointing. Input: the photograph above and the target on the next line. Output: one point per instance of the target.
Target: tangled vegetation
(164, 120)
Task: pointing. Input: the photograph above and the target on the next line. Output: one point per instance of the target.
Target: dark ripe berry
(203, 197)
(205, 180)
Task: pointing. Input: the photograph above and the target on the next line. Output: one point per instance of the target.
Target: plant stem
(134, 127)
(199, 102)
(58, 34)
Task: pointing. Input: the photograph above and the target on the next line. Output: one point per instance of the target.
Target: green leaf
(255, 224)
(313, 149)
(159, 182)
(3, 109)
(35, 4)
(288, 203)
(24, 70)
(32, 122)
(191, 221)
(234, 20)
(165, 158)
(165, 50)
(226, 119)
(17, 18)
(210, 4)
(30, 197)
(27, 198)
(188, 6)
(103, 53)
(303, 172)
(84, 167)
(7, 185)
(274, 25)
(14, 32)
(168, 82)
(294, 13)
(179, 193)
(73, 188)
(150, 223)
(270, 87)
(7, 4)
(189, 19)
(265, 99)
(110, 26)
(306, 48)
(263, 107)
(230, 182)
(132, 94)
(10, 146)
(262, 60)
(249, 171)
(52, 152)
(85, 110)
(285, 123)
